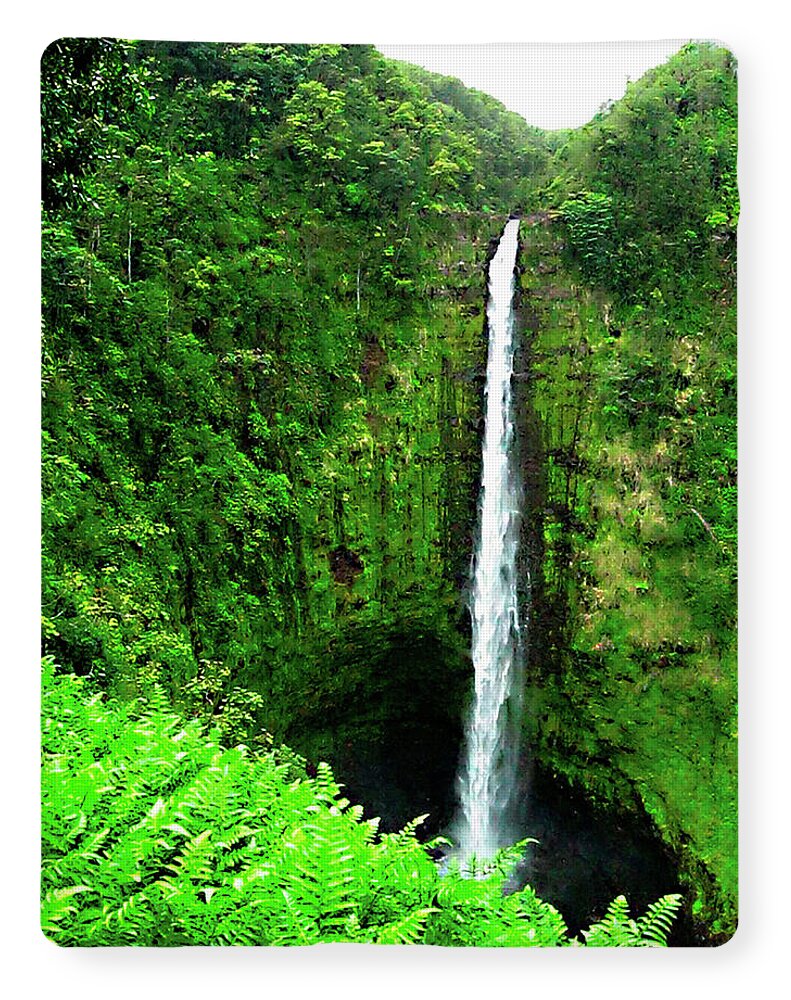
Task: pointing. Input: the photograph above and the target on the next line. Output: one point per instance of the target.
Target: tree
(91, 95)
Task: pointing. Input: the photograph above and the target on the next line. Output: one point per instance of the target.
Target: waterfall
(488, 775)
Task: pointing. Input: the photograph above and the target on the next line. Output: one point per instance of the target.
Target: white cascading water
(488, 775)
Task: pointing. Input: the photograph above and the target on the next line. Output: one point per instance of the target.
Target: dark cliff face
(387, 508)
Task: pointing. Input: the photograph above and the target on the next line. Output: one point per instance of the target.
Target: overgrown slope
(631, 405)
(262, 369)
(262, 298)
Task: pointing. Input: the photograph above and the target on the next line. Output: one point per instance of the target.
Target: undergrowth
(155, 834)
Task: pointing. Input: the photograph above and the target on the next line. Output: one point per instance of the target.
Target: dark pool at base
(396, 752)
(584, 857)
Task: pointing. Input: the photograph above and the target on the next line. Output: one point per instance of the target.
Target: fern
(57, 906)
(617, 929)
(152, 834)
(657, 923)
(407, 930)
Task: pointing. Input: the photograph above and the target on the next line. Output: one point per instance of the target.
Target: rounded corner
(50, 47)
(48, 932)
(726, 941)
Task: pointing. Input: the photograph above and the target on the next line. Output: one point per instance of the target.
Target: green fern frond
(618, 930)
(617, 911)
(408, 930)
(409, 831)
(301, 928)
(130, 922)
(56, 906)
(657, 923)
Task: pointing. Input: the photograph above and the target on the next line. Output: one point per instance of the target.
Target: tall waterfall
(488, 775)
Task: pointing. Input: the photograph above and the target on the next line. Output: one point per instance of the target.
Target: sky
(552, 86)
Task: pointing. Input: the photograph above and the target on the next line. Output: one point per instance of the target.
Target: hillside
(264, 350)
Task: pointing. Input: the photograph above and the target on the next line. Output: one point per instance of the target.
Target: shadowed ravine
(403, 767)
(448, 750)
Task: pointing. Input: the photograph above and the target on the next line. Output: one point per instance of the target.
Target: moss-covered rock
(631, 679)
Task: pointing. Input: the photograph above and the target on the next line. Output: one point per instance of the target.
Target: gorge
(266, 426)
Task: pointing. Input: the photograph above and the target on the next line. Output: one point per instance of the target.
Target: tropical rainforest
(263, 357)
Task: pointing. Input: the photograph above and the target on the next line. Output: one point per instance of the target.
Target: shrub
(154, 834)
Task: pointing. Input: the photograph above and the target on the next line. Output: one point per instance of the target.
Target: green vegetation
(654, 203)
(262, 356)
(635, 398)
(154, 834)
(246, 427)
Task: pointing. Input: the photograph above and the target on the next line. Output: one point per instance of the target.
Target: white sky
(551, 85)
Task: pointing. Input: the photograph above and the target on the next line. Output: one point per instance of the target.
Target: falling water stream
(487, 778)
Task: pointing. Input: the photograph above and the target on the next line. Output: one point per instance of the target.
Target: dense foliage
(661, 206)
(155, 834)
(262, 356)
(633, 293)
(231, 307)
